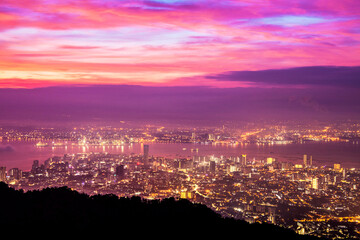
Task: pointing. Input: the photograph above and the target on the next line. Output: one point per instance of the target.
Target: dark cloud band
(326, 76)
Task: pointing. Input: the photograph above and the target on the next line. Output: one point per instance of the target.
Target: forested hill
(56, 212)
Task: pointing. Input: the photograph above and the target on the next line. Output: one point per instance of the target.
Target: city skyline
(247, 109)
(308, 199)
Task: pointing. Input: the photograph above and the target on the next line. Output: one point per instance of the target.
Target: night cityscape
(206, 117)
(304, 196)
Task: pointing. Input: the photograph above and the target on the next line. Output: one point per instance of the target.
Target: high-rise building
(35, 166)
(243, 160)
(2, 174)
(193, 136)
(298, 166)
(146, 154)
(232, 168)
(305, 160)
(212, 166)
(211, 137)
(337, 166)
(315, 183)
(270, 160)
(15, 173)
(286, 166)
(120, 172)
(186, 195)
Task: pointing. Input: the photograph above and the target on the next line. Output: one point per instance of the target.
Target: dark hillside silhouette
(53, 212)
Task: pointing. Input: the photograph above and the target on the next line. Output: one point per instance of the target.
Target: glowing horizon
(170, 43)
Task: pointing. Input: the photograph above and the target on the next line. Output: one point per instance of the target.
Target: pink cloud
(180, 41)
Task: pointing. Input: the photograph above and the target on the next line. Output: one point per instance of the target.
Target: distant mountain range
(193, 106)
(61, 212)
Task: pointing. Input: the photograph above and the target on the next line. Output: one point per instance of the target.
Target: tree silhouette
(52, 212)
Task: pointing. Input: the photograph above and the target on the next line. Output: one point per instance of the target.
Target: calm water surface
(21, 154)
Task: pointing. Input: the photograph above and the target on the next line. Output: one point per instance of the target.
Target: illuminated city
(301, 195)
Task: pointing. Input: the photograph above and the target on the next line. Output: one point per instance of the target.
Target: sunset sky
(171, 42)
(211, 60)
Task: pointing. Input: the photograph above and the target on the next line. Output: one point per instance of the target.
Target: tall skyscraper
(15, 173)
(212, 166)
(146, 154)
(2, 174)
(315, 183)
(305, 160)
(243, 160)
(120, 172)
(35, 166)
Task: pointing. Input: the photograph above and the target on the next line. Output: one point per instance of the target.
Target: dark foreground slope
(60, 211)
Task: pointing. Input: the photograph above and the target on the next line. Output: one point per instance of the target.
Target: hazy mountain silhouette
(55, 212)
(180, 105)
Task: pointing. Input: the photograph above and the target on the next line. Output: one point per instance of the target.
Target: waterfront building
(146, 154)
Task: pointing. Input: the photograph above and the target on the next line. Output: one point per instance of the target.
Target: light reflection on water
(21, 154)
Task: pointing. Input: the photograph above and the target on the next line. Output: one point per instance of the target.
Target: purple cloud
(316, 76)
